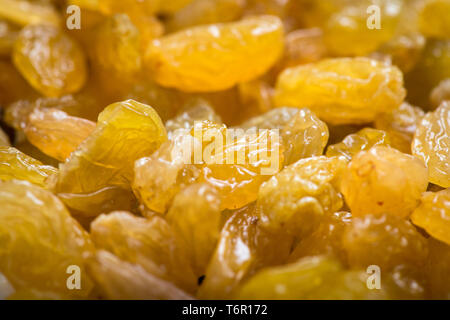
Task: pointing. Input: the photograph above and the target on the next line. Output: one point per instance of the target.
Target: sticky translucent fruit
(24, 12)
(400, 125)
(356, 30)
(195, 216)
(195, 110)
(116, 48)
(303, 134)
(49, 60)
(384, 240)
(17, 165)
(433, 214)
(303, 46)
(359, 141)
(432, 68)
(317, 277)
(243, 248)
(56, 133)
(201, 12)
(403, 50)
(120, 280)
(296, 199)
(434, 18)
(440, 93)
(431, 144)
(180, 60)
(342, 90)
(257, 97)
(149, 242)
(380, 181)
(40, 241)
(437, 270)
(326, 240)
(125, 132)
(236, 163)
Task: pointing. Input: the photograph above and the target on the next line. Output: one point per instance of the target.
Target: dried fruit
(432, 142)
(296, 199)
(17, 165)
(433, 214)
(150, 243)
(243, 248)
(195, 110)
(118, 279)
(51, 62)
(440, 93)
(354, 30)
(380, 181)
(180, 60)
(385, 241)
(25, 12)
(303, 46)
(125, 132)
(201, 12)
(56, 133)
(340, 91)
(310, 278)
(40, 240)
(235, 163)
(401, 125)
(195, 217)
(403, 50)
(116, 49)
(432, 68)
(434, 18)
(326, 240)
(437, 270)
(303, 134)
(360, 141)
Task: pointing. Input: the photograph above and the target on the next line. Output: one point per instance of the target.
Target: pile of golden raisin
(94, 177)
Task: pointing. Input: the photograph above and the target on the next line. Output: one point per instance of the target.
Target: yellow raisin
(151, 243)
(383, 240)
(433, 214)
(352, 31)
(195, 217)
(343, 90)
(56, 133)
(40, 240)
(24, 12)
(125, 132)
(50, 61)
(200, 12)
(401, 125)
(296, 199)
(17, 165)
(360, 141)
(380, 181)
(440, 93)
(431, 144)
(121, 280)
(434, 18)
(243, 248)
(180, 60)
